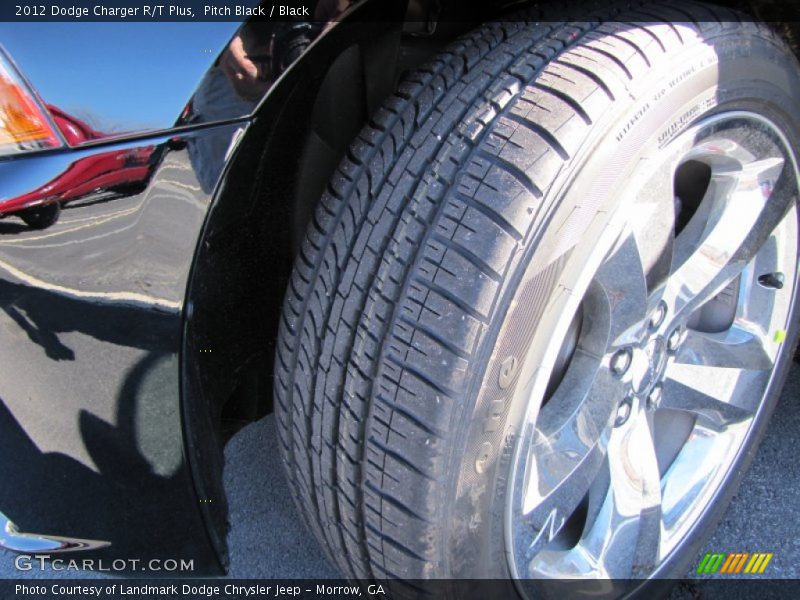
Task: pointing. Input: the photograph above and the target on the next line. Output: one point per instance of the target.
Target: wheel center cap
(647, 365)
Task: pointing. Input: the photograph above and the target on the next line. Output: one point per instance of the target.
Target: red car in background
(124, 171)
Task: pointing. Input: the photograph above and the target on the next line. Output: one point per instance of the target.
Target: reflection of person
(246, 69)
(257, 55)
(262, 50)
(215, 99)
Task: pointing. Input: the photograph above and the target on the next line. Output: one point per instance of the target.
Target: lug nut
(675, 340)
(654, 397)
(624, 411)
(658, 316)
(621, 361)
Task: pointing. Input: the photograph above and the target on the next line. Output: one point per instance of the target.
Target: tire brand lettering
(508, 368)
(494, 416)
(484, 454)
(637, 115)
(682, 76)
(685, 119)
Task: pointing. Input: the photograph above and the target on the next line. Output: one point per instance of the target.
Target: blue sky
(142, 75)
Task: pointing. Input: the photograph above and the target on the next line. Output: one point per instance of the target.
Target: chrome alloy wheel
(671, 338)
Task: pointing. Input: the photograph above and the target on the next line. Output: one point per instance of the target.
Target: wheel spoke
(544, 522)
(623, 280)
(624, 540)
(567, 450)
(701, 391)
(734, 221)
(735, 348)
(652, 219)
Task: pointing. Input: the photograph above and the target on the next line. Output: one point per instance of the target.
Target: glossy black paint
(90, 319)
(259, 215)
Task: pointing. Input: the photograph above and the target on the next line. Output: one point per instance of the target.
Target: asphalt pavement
(268, 540)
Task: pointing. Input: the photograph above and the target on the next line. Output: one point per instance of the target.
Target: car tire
(41, 217)
(476, 365)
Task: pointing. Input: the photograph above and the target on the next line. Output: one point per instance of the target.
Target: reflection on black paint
(91, 326)
(130, 493)
(258, 54)
(116, 173)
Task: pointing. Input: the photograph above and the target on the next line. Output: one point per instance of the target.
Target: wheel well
(258, 221)
(260, 214)
(245, 253)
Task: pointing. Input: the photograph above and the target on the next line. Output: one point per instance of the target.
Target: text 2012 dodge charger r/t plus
(518, 282)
